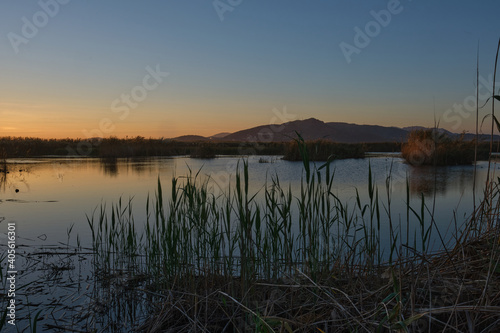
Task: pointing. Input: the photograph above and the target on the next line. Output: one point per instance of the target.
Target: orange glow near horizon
(29, 122)
(156, 119)
(161, 119)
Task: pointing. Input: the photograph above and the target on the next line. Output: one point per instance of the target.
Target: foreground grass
(309, 263)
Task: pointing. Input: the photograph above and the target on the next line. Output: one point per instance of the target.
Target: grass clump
(430, 147)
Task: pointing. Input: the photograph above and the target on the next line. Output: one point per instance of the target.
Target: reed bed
(114, 147)
(430, 147)
(274, 261)
(323, 150)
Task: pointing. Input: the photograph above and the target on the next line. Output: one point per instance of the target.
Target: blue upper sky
(79, 68)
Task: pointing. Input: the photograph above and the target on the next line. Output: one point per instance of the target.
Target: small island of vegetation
(430, 147)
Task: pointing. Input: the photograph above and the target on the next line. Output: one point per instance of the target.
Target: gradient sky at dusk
(228, 70)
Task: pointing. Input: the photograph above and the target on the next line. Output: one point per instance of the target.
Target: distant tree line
(140, 146)
(129, 147)
(447, 151)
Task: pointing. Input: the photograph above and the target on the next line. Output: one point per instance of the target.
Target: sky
(165, 68)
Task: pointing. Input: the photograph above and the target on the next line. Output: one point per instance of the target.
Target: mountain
(467, 136)
(220, 135)
(312, 129)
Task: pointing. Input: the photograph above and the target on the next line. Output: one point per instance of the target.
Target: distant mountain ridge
(467, 136)
(313, 129)
(219, 135)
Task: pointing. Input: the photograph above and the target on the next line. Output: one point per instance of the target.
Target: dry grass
(429, 147)
(455, 291)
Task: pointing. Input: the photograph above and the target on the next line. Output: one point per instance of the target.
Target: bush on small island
(430, 147)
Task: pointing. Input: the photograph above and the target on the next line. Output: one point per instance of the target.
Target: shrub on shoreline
(429, 147)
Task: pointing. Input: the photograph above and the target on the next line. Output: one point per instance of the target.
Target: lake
(48, 200)
(46, 196)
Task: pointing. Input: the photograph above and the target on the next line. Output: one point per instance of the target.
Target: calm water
(46, 196)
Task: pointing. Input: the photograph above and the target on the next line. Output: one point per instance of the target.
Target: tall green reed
(193, 240)
(268, 234)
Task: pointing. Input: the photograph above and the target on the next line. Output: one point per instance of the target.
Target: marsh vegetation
(298, 263)
(264, 252)
(430, 147)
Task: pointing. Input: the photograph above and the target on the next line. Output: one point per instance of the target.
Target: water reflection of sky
(55, 193)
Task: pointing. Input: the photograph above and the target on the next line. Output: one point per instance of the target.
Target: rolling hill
(313, 129)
